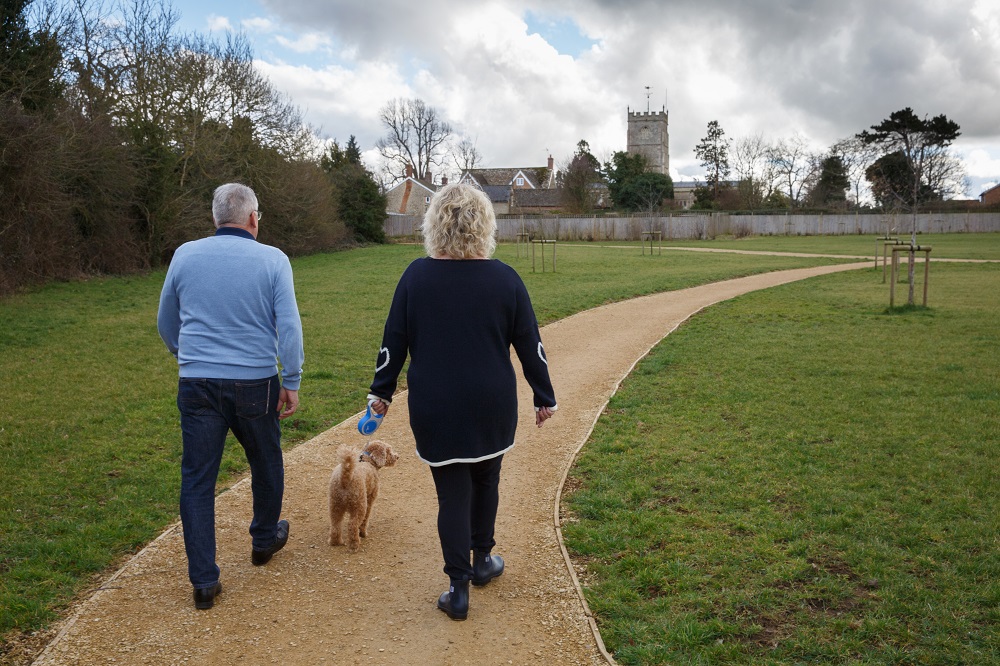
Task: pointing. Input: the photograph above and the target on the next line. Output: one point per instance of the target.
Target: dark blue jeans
(209, 409)
(468, 497)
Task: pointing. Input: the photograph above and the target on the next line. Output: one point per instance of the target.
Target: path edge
(591, 620)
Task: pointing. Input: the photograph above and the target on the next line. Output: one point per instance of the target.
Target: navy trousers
(468, 495)
(209, 409)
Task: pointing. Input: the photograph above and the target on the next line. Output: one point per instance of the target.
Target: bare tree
(945, 174)
(857, 156)
(794, 166)
(465, 155)
(754, 171)
(193, 111)
(415, 136)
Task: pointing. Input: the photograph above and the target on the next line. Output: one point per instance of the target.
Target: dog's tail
(348, 456)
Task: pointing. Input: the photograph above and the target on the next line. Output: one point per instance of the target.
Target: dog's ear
(391, 457)
(377, 452)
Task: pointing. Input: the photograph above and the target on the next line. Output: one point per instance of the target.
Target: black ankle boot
(485, 567)
(455, 602)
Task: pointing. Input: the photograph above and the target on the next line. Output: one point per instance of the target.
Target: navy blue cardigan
(457, 320)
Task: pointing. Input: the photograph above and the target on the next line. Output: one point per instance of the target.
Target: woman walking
(457, 313)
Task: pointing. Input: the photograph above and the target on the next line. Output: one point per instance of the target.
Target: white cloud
(259, 24)
(220, 23)
(826, 70)
(979, 163)
(340, 100)
(308, 43)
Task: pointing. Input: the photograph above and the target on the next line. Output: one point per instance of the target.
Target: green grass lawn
(960, 246)
(944, 246)
(89, 437)
(799, 476)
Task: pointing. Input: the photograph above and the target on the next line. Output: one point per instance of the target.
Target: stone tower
(647, 136)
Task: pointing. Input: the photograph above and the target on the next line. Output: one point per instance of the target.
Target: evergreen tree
(922, 144)
(352, 152)
(333, 158)
(919, 142)
(831, 187)
(891, 179)
(360, 203)
(632, 187)
(579, 180)
(713, 151)
(28, 60)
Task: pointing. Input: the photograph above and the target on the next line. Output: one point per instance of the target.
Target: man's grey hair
(232, 204)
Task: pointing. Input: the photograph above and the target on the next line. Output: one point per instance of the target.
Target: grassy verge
(963, 246)
(89, 441)
(799, 476)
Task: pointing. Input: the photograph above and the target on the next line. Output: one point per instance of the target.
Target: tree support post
(543, 242)
(885, 251)
(880, 243)
(522, 237)
(658, 235)
(911, 250)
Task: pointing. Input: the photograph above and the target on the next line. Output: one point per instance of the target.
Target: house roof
(497, 193)
(985, 192)
(537, 177)
(402, 183)
(538, 198)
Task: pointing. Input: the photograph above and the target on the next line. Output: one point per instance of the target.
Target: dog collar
(365, 454)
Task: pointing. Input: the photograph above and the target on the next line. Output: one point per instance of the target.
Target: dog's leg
(336, 516)
(368, 511)
(354, 530)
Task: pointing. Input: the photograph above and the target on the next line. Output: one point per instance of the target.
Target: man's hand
(542, 415)
(380, 407)
(288, 402)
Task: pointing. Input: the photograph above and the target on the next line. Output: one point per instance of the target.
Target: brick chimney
(444, 180)
(552, 163)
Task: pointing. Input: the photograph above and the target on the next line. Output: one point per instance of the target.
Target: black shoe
(260, 557)
(485, 568)
(204, 598)
(455, 602)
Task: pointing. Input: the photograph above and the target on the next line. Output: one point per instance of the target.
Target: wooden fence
(681, 226)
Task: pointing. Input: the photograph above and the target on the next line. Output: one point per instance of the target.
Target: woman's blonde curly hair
(460, 223)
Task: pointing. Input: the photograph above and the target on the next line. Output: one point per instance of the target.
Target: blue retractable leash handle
(370, 422)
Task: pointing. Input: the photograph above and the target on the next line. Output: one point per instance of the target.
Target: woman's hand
(542, 415)
(380, 407)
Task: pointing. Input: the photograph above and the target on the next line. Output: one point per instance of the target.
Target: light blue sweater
(228, 310)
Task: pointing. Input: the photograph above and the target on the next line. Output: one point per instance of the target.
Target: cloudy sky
(528, 79)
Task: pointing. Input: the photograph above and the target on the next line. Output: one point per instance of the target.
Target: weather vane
(647, 98)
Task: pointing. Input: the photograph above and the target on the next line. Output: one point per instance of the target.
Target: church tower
(647, 136)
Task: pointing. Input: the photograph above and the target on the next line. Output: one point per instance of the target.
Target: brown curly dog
(354, 487)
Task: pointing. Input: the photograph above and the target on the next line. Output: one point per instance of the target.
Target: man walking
(228, 313)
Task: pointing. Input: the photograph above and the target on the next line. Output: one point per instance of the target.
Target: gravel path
(313, 604)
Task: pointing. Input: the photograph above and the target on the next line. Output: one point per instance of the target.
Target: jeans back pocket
(192, 397)
(253, 398)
